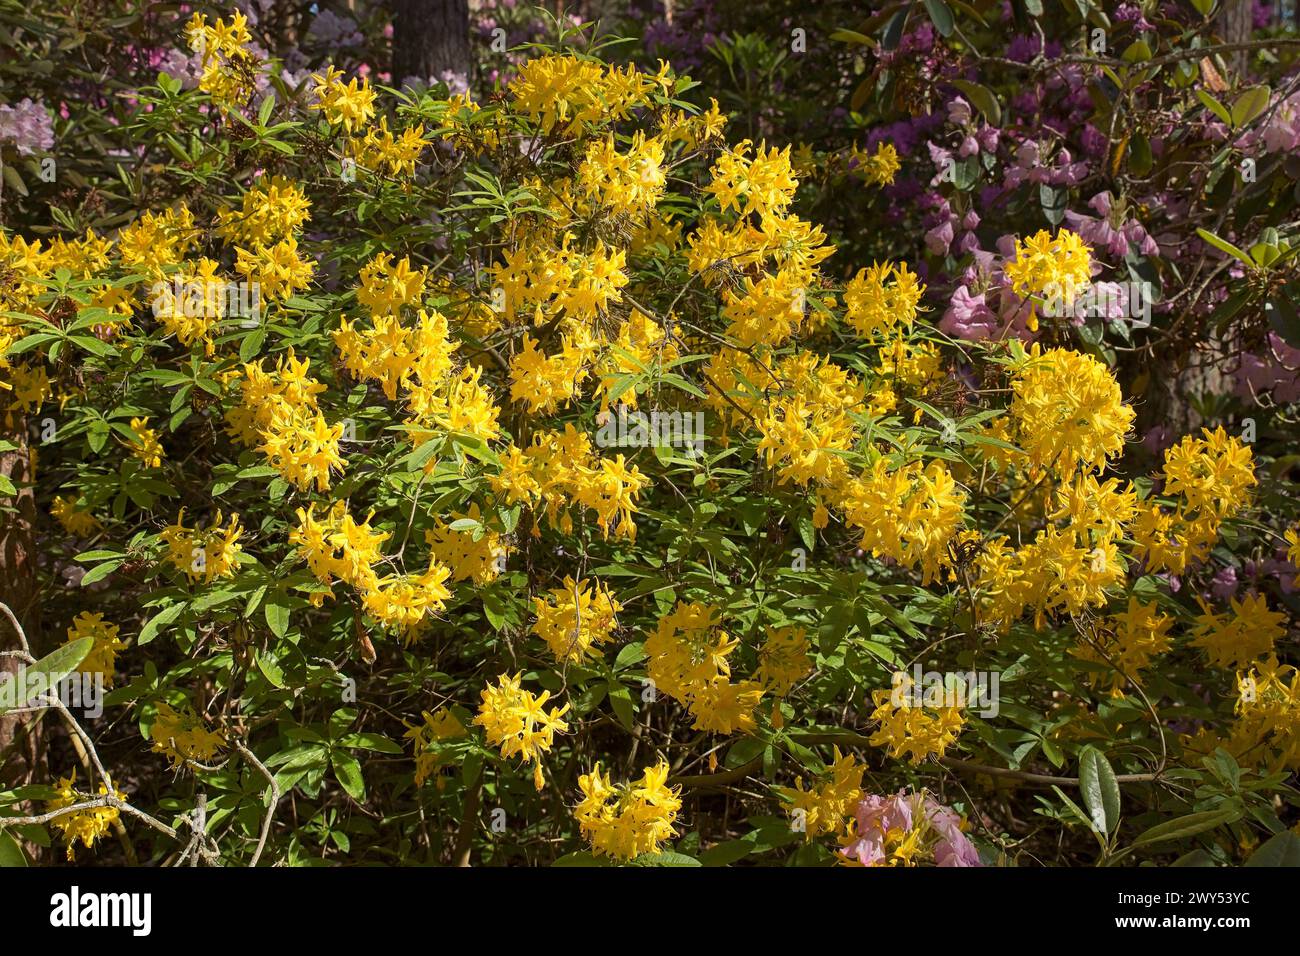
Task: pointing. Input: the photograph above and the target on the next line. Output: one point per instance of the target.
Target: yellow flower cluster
(688, 661)
(273, 209)
(181, 736)
(516, 720)
(829, 803)
(629, 820)
(1131, 642)
(74, 519)
(566, 92)
(910, 729)
(382, 151)
(278, 413)
(201, 304)
(629, 183)
(204, 554)
(156, 240)
(882, 299)
(336, 546)
(879, 167)
(783, 660)
(573, 620)
(278, 269)
(1059, 267)
(907, 514)
(560, 470)
(1266, 730)
(1211, 477)
(474, 554)
(229, 68)
(427, 739)
(102, 658)
(84, 825)
(1239, 638)
(1068, 411)
(147, 448)
(350, 105)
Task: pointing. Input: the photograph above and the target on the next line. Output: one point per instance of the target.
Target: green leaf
(940, 16)
(726, 853)
(1250, 104)
(1223, 245)
(56, 665)
(277, 617)
(1214, 106)
(581, 858)
(665, 858)
(1185, 826)
(1100, 789)
(99, 572)
(1282, 849)
(270, 670)
(348, 771)
(11, 854)
(620, 698)
(158, 621)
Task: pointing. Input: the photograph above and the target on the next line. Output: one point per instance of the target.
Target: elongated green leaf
(1099, 788)
(1185, 826)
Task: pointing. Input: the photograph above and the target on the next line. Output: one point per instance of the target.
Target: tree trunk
(1236, 24)
(21, 753)
(430, 39)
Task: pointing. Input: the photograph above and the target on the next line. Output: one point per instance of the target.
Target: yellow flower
(273, 209)
(1239, 639)
(629, 183)
(1136, 637)
(688, 661)
(75, 520)
(379, 150)
(567, 92)
(278, 269)
(830, 802)
(1059, 267)
(629, 820)
(763, 184)
(426, 740)
(469, 559)
(102, 658)
(181, 736)
(147, 448)
(783, 659)
(1069, 411)
(84, 825)
(350, 105)
(574, 619)
(882, 299)
(516, 720)
(229, 68)
(880, 167)
(908, 729)
(204, 554)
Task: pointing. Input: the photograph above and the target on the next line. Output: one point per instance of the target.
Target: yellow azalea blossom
(628, 820)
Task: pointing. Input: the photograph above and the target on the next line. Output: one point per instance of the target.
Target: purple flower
(28, 126)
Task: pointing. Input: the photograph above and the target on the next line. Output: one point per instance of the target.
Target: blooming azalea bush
(527, 479)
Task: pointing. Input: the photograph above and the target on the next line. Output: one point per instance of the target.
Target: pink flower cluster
(903, 812)
(27, 125)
